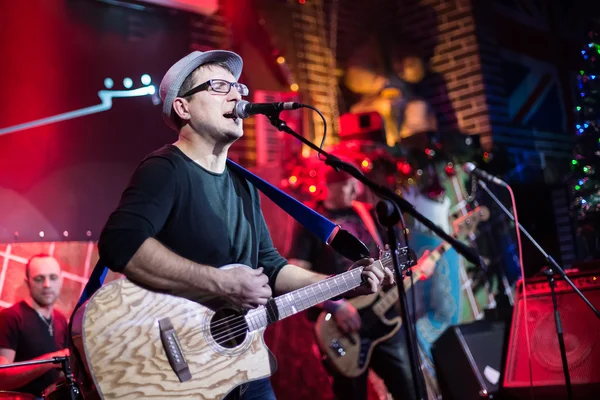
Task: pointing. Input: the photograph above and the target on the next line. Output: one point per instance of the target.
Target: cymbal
(16, 395)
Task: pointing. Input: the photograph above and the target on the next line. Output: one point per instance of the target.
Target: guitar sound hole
(228, 327)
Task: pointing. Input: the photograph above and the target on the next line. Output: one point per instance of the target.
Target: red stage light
(404, 168)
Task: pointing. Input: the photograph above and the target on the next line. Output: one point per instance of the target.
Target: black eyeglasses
(219, 86)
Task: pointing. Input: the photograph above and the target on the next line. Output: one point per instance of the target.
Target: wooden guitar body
(350, 354)
(140, 344)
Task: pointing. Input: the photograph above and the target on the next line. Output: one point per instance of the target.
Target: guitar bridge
(172, 347)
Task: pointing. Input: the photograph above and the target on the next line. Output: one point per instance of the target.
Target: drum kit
(64, 389)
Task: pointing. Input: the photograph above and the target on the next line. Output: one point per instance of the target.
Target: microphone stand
(404, 206)
(549, 273)
(63, 361)
(548, 257)
(388, 215)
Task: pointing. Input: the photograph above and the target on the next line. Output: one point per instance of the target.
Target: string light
(586, 160)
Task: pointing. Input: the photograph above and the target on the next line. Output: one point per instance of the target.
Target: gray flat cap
(173, 79)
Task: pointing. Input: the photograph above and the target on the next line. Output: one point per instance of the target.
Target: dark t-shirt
(208, 218)
(307, 247)
(22, 330)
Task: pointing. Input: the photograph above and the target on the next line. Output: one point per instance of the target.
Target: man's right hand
(244, 286)
(347, 317)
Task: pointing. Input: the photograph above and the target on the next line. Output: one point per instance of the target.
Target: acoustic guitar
(136, 343)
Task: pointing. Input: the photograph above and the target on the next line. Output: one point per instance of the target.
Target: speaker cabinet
(468, 360)
(581, 331)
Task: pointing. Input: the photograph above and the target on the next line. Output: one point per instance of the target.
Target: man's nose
(234, 95)
(47, 281)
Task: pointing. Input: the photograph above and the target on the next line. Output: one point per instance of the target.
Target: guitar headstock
(467, 224)
(407, 258)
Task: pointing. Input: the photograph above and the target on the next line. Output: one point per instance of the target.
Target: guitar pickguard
(371, 330)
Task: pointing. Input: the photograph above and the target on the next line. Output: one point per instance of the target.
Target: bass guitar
(349, 354)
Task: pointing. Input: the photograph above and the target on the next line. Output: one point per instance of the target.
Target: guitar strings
(230, 332)
(230, 335)
(227, 320)
(239, 323)
(237, 317)
(238, 329)
(230, 319)
(242, 318)
(239, 320)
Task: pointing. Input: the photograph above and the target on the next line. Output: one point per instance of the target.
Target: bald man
(33, 330)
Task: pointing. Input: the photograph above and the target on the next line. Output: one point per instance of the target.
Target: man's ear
(181, 107)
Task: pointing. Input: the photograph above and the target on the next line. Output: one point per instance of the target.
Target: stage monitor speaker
(468, 360)
(581, 331)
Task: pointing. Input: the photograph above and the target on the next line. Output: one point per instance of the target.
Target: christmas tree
(585, 165)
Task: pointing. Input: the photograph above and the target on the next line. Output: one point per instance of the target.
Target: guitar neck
(299, 300)
(391, 296)
(439, 251)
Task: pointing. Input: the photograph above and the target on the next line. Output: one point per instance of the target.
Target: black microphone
(243, 109)
(349, 246)
(471, 169)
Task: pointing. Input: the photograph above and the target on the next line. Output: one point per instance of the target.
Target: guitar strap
(320, 226)
(367, 219)
(310, 219)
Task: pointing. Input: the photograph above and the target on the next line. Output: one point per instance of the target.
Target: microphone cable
(324, 127)
(525, 310)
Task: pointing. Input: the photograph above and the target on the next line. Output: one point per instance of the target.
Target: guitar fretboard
(299, 300)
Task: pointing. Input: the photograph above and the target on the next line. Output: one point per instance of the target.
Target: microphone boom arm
(385, 193)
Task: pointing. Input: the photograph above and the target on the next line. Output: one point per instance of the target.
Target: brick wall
(444, 33)
(315, 63)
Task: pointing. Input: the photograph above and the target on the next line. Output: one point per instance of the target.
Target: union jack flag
(535, 49)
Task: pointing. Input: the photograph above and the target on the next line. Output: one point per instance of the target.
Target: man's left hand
(373, 277)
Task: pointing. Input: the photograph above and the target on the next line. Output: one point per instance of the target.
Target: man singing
(185, 212)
